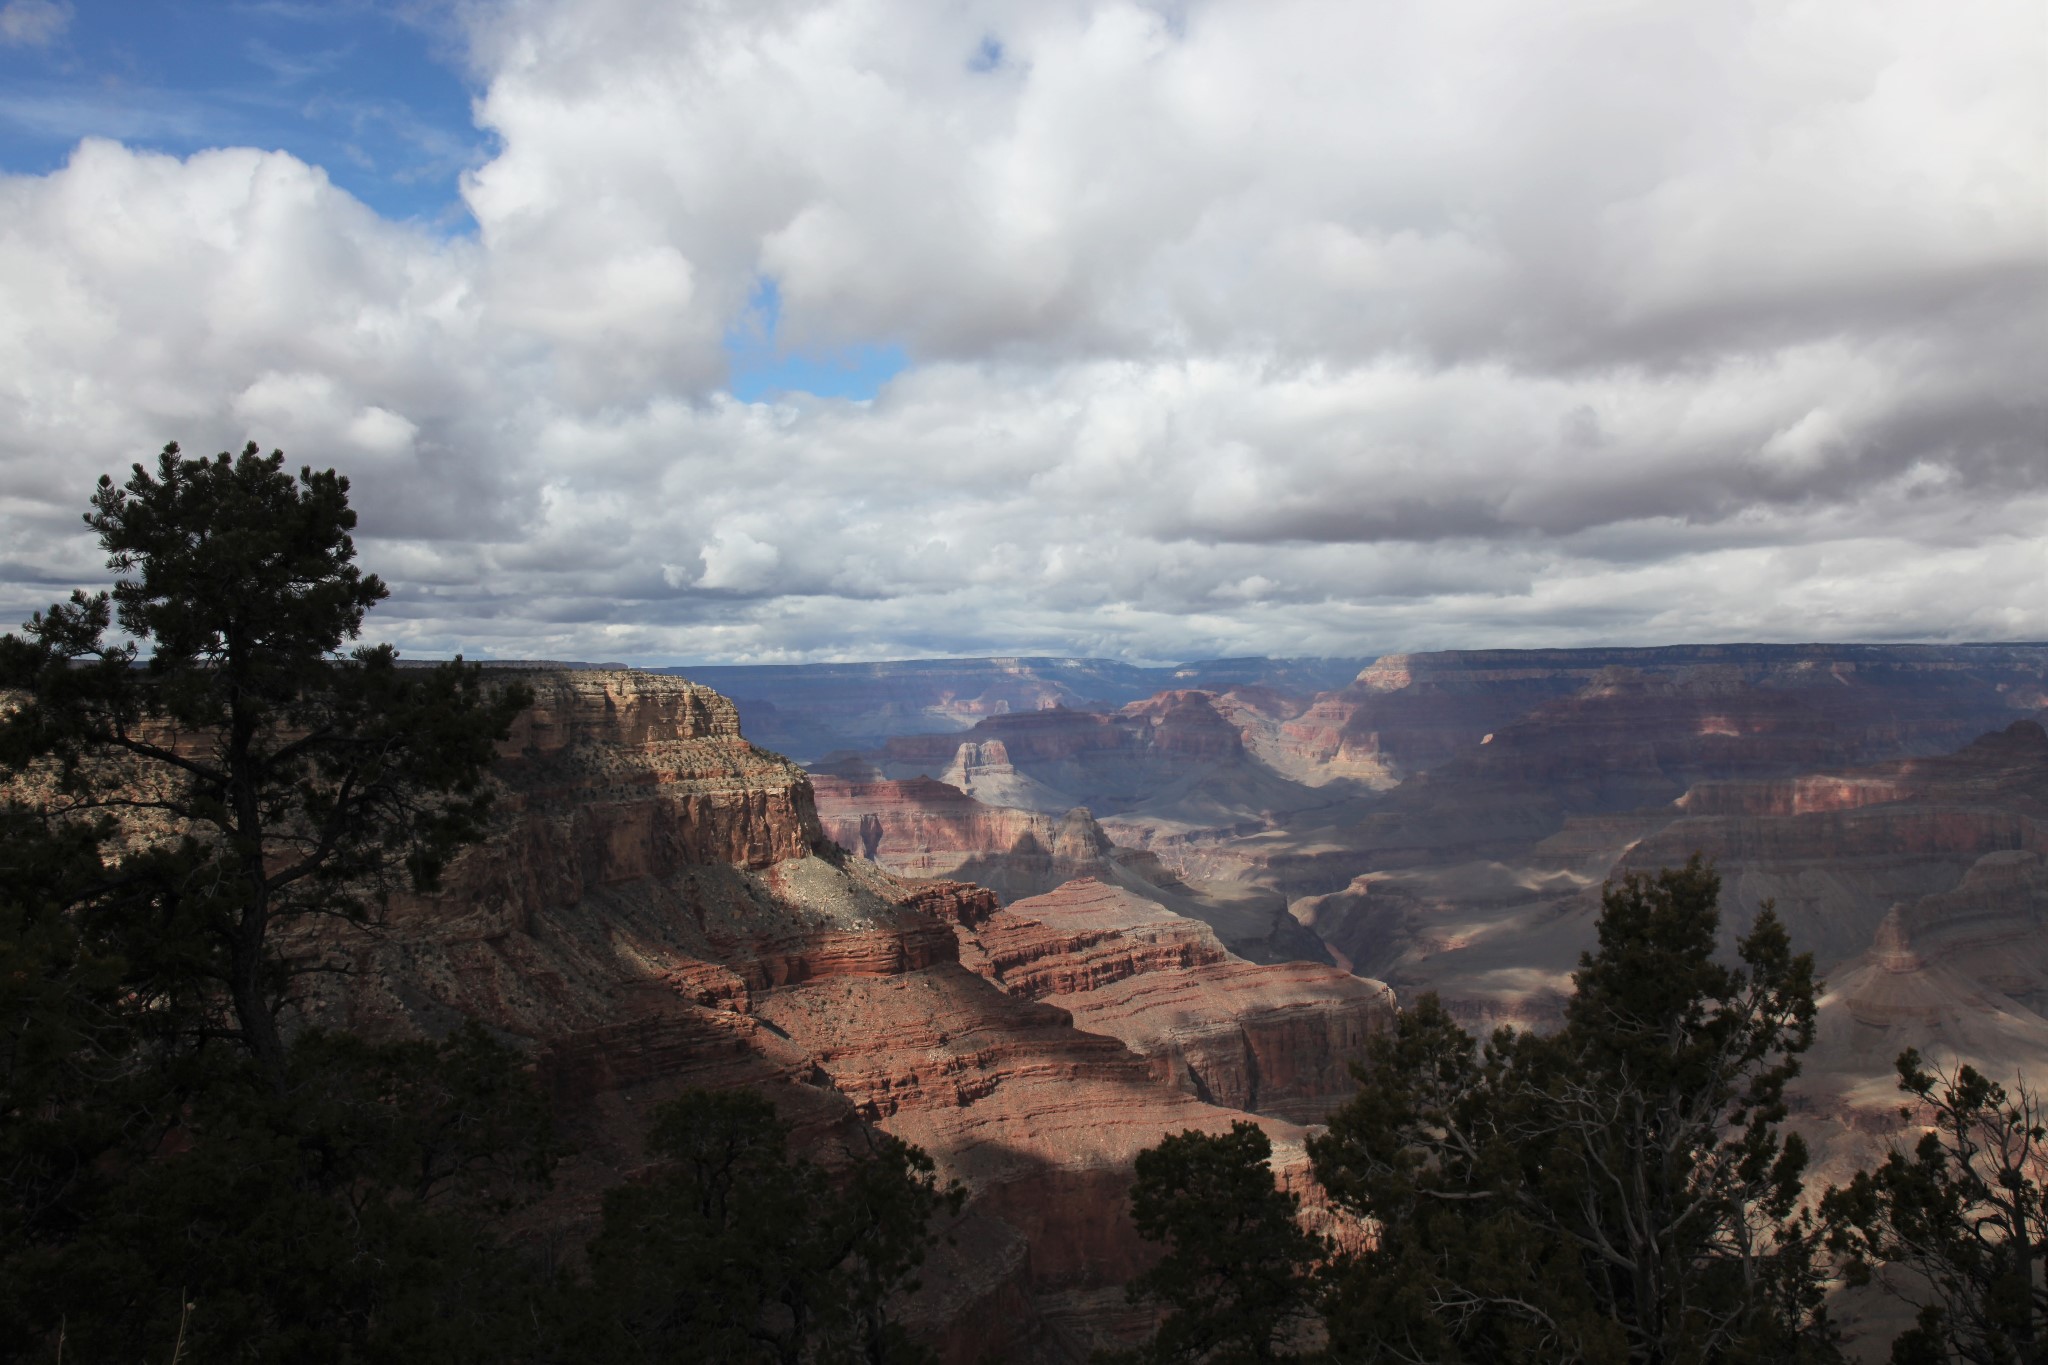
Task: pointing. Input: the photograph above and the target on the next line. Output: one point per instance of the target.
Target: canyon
(1039, 937)
(1444, 822)
(659, 908)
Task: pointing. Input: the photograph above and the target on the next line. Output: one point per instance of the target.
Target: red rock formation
(1305, 741)
(1917, 883)
(1514, 748)
(811, 711)
(1277, 1039)
(1575, 782)
(923, 828)
(1480, 879)
(653, 914)
(1040, 1120)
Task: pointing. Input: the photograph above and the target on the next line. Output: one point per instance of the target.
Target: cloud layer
(1292, 328)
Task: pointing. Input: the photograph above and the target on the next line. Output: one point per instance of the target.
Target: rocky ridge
(1840, 782)
(811, 710)
(1413, 712)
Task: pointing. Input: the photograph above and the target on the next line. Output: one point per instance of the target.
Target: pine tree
(1237, 1278)
(735, 1250)
(293, 781)
(1616, 1191)
(174, 1163)
(1964, 1217)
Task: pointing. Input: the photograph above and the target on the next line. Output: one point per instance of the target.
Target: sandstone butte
(660, 908)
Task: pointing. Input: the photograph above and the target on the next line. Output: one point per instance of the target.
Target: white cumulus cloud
(1294, 327)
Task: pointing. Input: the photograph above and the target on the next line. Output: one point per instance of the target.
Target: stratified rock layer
(1276, 1039)
(925, 828)
(659, 909)
(1416, 711)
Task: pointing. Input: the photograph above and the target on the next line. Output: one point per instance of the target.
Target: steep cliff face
(1920, 885)
(659, 909)
(1836, 851)
(1476, 877)
(1305, 740)
(1276, 1039)
(921, 827)
(1488, 794)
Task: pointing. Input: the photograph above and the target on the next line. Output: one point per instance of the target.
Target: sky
(787, 330)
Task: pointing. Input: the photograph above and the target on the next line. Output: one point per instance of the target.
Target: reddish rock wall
(659, 909)
(1276, 1039)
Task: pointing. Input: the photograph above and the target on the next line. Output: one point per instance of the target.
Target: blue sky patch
(365, 89)
(763, 368)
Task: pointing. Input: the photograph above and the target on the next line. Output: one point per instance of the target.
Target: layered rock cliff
(1275, 1039)
(1480, 880)
(925, 828)
(659, 909)
(1920, 885)
(1476, 755)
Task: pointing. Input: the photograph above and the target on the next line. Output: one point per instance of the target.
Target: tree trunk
(252, 1002)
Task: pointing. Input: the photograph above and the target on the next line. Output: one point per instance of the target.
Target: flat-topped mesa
(653, 775)
(622, 707)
